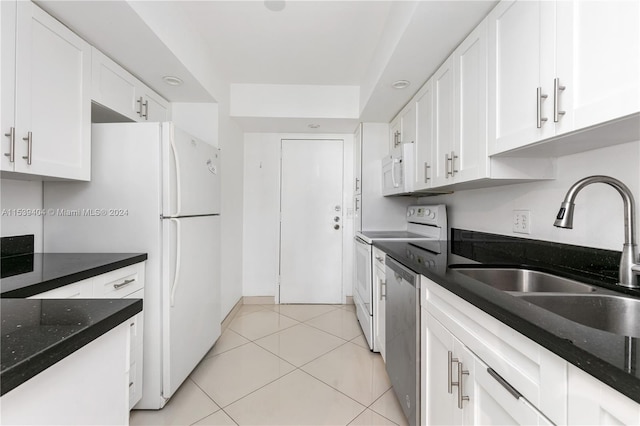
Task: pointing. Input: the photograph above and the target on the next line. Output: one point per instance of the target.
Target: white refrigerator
(153, 189)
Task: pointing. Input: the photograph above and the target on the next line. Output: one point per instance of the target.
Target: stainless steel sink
(525, 280)
(615, 314)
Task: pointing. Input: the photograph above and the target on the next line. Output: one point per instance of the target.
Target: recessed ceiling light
(400, 84)
(172, 81)
(314, 126)
(274, 5)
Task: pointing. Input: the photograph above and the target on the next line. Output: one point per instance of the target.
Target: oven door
(363, 274)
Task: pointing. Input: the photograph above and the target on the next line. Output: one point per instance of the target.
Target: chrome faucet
(630, 262)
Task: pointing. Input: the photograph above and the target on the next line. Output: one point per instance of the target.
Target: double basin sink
(579, 302)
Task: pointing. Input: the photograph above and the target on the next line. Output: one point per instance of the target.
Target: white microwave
(398, 172)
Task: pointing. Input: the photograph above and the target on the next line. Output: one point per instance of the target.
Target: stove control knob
(427, 213)
(410, 212)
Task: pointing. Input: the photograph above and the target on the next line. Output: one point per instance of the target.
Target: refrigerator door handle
(176, 280)
(172, 143)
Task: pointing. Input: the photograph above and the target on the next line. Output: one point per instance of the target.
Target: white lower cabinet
(460, 389)
(89, 387)
(123, 283)
(591, 402)
(505, 377)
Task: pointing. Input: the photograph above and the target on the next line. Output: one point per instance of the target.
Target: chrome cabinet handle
(146, 110)
(450, 165)
(357, 184)
(357, 204)
(379, 258)
(451, 361)
(29, 140)
(539, 97)
(124, 283)
(383, 286)
(396, 138)
(461, 397)
(426, 172)
(12, 144)
(139, 111)
(514, 393)
(557, 88)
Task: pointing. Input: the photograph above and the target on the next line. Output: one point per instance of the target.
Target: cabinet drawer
(119, 283)
(378, 258)
(78, 290)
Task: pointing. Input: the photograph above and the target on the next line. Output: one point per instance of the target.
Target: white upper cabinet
(357, 160)
(115, 88)
(444, 158)
(557, 67)
(598, 61)
(51, 134)
(470, 134)
(424, 145)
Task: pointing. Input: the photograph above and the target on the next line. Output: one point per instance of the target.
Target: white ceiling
(367, 43)
(309, 42)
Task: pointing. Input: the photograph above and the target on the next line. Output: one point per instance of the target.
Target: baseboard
(259, 300)
(231, 315)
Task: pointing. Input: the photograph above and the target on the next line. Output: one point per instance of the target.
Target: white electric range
(426, 224)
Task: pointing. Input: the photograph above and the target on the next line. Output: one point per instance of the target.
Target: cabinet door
(136, 326)
(53, 97)
(437, 403)
(409, 123)
(591, 402)
(154, 107)
(444, 165)
(112, 86)
(7, 84)
(598, 61)
(515, 33)
(424, 149)
(395, 136)
(470, 140)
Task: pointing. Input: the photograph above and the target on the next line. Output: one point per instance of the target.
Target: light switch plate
(522, 221)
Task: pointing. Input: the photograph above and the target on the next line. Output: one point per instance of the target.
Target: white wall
(262, 210)
(598, 220)
(197, 119)
(21, 194)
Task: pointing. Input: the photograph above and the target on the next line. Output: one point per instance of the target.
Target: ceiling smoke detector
(400, 84)
(172, 80)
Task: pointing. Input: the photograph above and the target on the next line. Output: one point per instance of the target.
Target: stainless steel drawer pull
(12, 144)
(379, 258)
(557, 88)
(139, 111)
(539, 97)
(426, 172)
(124, 283)
(461, 397)
(146, 110)
(29, 140)
(514, 393)
(383, 286)
(451, 361)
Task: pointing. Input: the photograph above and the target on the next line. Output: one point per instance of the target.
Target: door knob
(336, 219)
(336, 226)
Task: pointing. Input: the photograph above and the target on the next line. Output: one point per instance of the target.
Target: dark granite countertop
(38, 333)
(29, 274)
(611, 358)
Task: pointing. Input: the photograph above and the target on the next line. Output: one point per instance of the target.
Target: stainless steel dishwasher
(403, 336)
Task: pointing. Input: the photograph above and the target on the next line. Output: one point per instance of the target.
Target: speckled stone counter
(38, 333)
(29, 274)
(611, 358)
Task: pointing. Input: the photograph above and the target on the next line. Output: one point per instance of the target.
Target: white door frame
(346, 207)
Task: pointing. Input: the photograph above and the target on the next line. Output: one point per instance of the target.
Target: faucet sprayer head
(564, 219)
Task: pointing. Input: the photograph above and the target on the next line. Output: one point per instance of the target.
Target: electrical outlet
(522, 221)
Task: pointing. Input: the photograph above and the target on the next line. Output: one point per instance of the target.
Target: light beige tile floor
(285, 365)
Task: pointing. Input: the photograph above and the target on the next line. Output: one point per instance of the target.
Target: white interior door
(311, 221)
